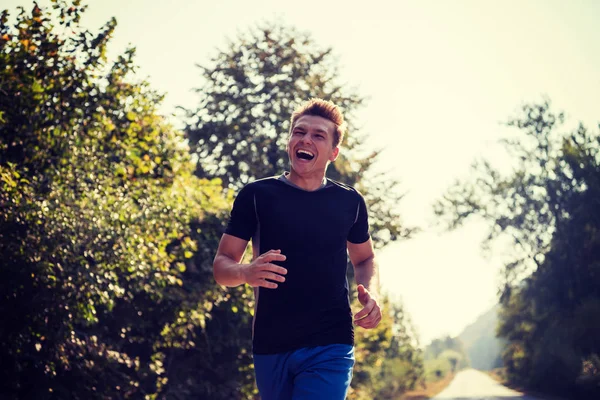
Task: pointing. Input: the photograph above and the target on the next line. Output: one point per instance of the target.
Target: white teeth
(306, 152)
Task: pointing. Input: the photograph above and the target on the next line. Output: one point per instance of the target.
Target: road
(476, 385)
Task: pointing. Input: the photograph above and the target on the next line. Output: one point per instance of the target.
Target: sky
(439, 76)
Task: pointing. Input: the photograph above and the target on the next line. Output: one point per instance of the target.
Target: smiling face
(310, 146)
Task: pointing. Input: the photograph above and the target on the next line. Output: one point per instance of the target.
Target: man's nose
(306, 138)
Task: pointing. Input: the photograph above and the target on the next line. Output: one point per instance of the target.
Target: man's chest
(318, 219)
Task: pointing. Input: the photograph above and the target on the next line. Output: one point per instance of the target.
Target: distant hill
(480, 342)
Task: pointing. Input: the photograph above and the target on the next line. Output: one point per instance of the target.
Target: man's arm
(362, 257)
(228, 271)
(366, 275)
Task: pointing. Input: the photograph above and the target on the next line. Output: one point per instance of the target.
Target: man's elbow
(220, 278)
(217, 273)
(225, 271)
(216, 276)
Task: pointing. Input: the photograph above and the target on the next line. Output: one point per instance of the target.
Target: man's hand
(261, 272)
(370, 315)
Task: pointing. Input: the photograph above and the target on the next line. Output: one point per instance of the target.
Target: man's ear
(334, 155)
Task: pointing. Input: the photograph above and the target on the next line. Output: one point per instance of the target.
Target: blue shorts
(312, 373)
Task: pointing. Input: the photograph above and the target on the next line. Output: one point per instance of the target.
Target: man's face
(310, 146)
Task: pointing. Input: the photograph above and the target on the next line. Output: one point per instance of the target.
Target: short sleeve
(359, 233)
(243, 222)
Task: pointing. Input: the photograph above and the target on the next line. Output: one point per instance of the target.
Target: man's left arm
(366, 275)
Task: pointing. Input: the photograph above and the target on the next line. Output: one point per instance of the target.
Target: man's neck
(311, 183)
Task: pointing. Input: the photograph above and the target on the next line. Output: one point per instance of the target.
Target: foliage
(437, 369)
(108, 226)
(549, 207)
(99, 209)
(440, 345)
(443, 356)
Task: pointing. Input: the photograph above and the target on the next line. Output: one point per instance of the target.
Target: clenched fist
(370, 316)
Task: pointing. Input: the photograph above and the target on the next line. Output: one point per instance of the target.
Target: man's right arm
(228, 271)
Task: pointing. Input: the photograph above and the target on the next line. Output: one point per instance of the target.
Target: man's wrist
(241, 270)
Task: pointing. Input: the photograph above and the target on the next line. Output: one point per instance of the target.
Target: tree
(523, 206)
(97, 205)
(549, 208)
(447, 347)
(444, 356)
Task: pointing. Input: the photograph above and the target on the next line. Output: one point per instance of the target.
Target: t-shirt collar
(284, 178)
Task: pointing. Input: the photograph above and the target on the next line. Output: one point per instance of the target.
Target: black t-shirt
(311, 308)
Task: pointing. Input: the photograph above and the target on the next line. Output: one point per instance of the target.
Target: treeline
(549, 209)
(444, 356)
(110, 217)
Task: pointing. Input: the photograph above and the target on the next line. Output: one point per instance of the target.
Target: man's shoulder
(262, 183)
(248, 192)
(343, 187)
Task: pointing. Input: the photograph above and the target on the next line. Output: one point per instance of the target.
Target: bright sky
(440, 76)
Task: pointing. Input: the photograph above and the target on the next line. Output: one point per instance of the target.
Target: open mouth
(304, 154)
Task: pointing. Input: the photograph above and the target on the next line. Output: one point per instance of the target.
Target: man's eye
(320, 136)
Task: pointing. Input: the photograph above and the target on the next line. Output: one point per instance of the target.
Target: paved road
(476, 385)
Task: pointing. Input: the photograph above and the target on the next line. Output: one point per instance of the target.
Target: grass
(430, 390)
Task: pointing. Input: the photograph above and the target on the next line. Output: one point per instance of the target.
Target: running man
(303, 226)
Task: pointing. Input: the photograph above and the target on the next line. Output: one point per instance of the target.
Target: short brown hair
(325, 109)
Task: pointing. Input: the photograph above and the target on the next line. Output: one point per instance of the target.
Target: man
(302, 227)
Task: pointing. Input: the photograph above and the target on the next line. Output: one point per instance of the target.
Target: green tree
(447, 347)
(548, 206)
(522, 206)
(444, 356)
(99, 209)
